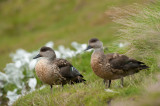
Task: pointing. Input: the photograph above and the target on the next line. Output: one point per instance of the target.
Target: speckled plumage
(48, 72)
(112, 66)
(54, 71)
(101, 66)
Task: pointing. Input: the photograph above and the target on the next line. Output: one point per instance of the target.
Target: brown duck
(112, 66)
(54, 71)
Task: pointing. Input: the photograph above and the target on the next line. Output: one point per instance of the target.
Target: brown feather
(53, 71)
(114, 66)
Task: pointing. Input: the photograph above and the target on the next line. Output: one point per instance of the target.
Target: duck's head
(46, 52)
(94, 43)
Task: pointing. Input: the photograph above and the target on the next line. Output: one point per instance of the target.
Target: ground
(67, 21)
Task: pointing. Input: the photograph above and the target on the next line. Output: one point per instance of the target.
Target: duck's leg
(122, 82)
(105, 82)
(62, 86)
(51, 89)
(109, 84)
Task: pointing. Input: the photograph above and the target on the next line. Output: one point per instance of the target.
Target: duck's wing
(68, 71)
(122, 62)
(62, 63)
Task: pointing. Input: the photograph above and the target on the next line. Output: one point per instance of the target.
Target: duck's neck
(50, 59)
(98, 52)
(97, 56)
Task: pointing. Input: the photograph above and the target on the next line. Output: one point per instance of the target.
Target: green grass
(135, 88)
(91, 93)
(25, 22)
(63, 21)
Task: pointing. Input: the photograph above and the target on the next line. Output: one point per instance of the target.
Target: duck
(112, 66)
(55, 71)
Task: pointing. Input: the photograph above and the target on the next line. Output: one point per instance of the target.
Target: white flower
(32, 83)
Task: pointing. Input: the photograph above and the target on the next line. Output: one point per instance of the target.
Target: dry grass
(140, 28)
(149, 97)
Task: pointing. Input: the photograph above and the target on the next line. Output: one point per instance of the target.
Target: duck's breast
(46, 72)
(102, 68)
(98, 64)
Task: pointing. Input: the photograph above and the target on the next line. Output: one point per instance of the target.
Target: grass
(140, 29)
(79, 21)
(24, 22)
(91, 93)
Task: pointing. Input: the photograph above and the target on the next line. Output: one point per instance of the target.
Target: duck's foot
(122, 82)
(109, 90)
(109, 84)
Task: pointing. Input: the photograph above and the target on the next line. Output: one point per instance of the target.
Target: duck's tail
(143, 66)
(134, 66)
(79, 77)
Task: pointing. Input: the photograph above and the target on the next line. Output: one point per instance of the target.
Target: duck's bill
(89, 47)
(37, 56)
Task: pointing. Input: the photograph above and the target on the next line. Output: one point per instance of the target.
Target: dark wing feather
(125, 63)
(68, 71)
(118, 61)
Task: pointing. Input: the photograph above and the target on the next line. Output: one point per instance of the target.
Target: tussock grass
(140, 28)
(150, 94)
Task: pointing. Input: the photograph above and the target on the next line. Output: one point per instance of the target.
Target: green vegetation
(30, 24)
(79, 21)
